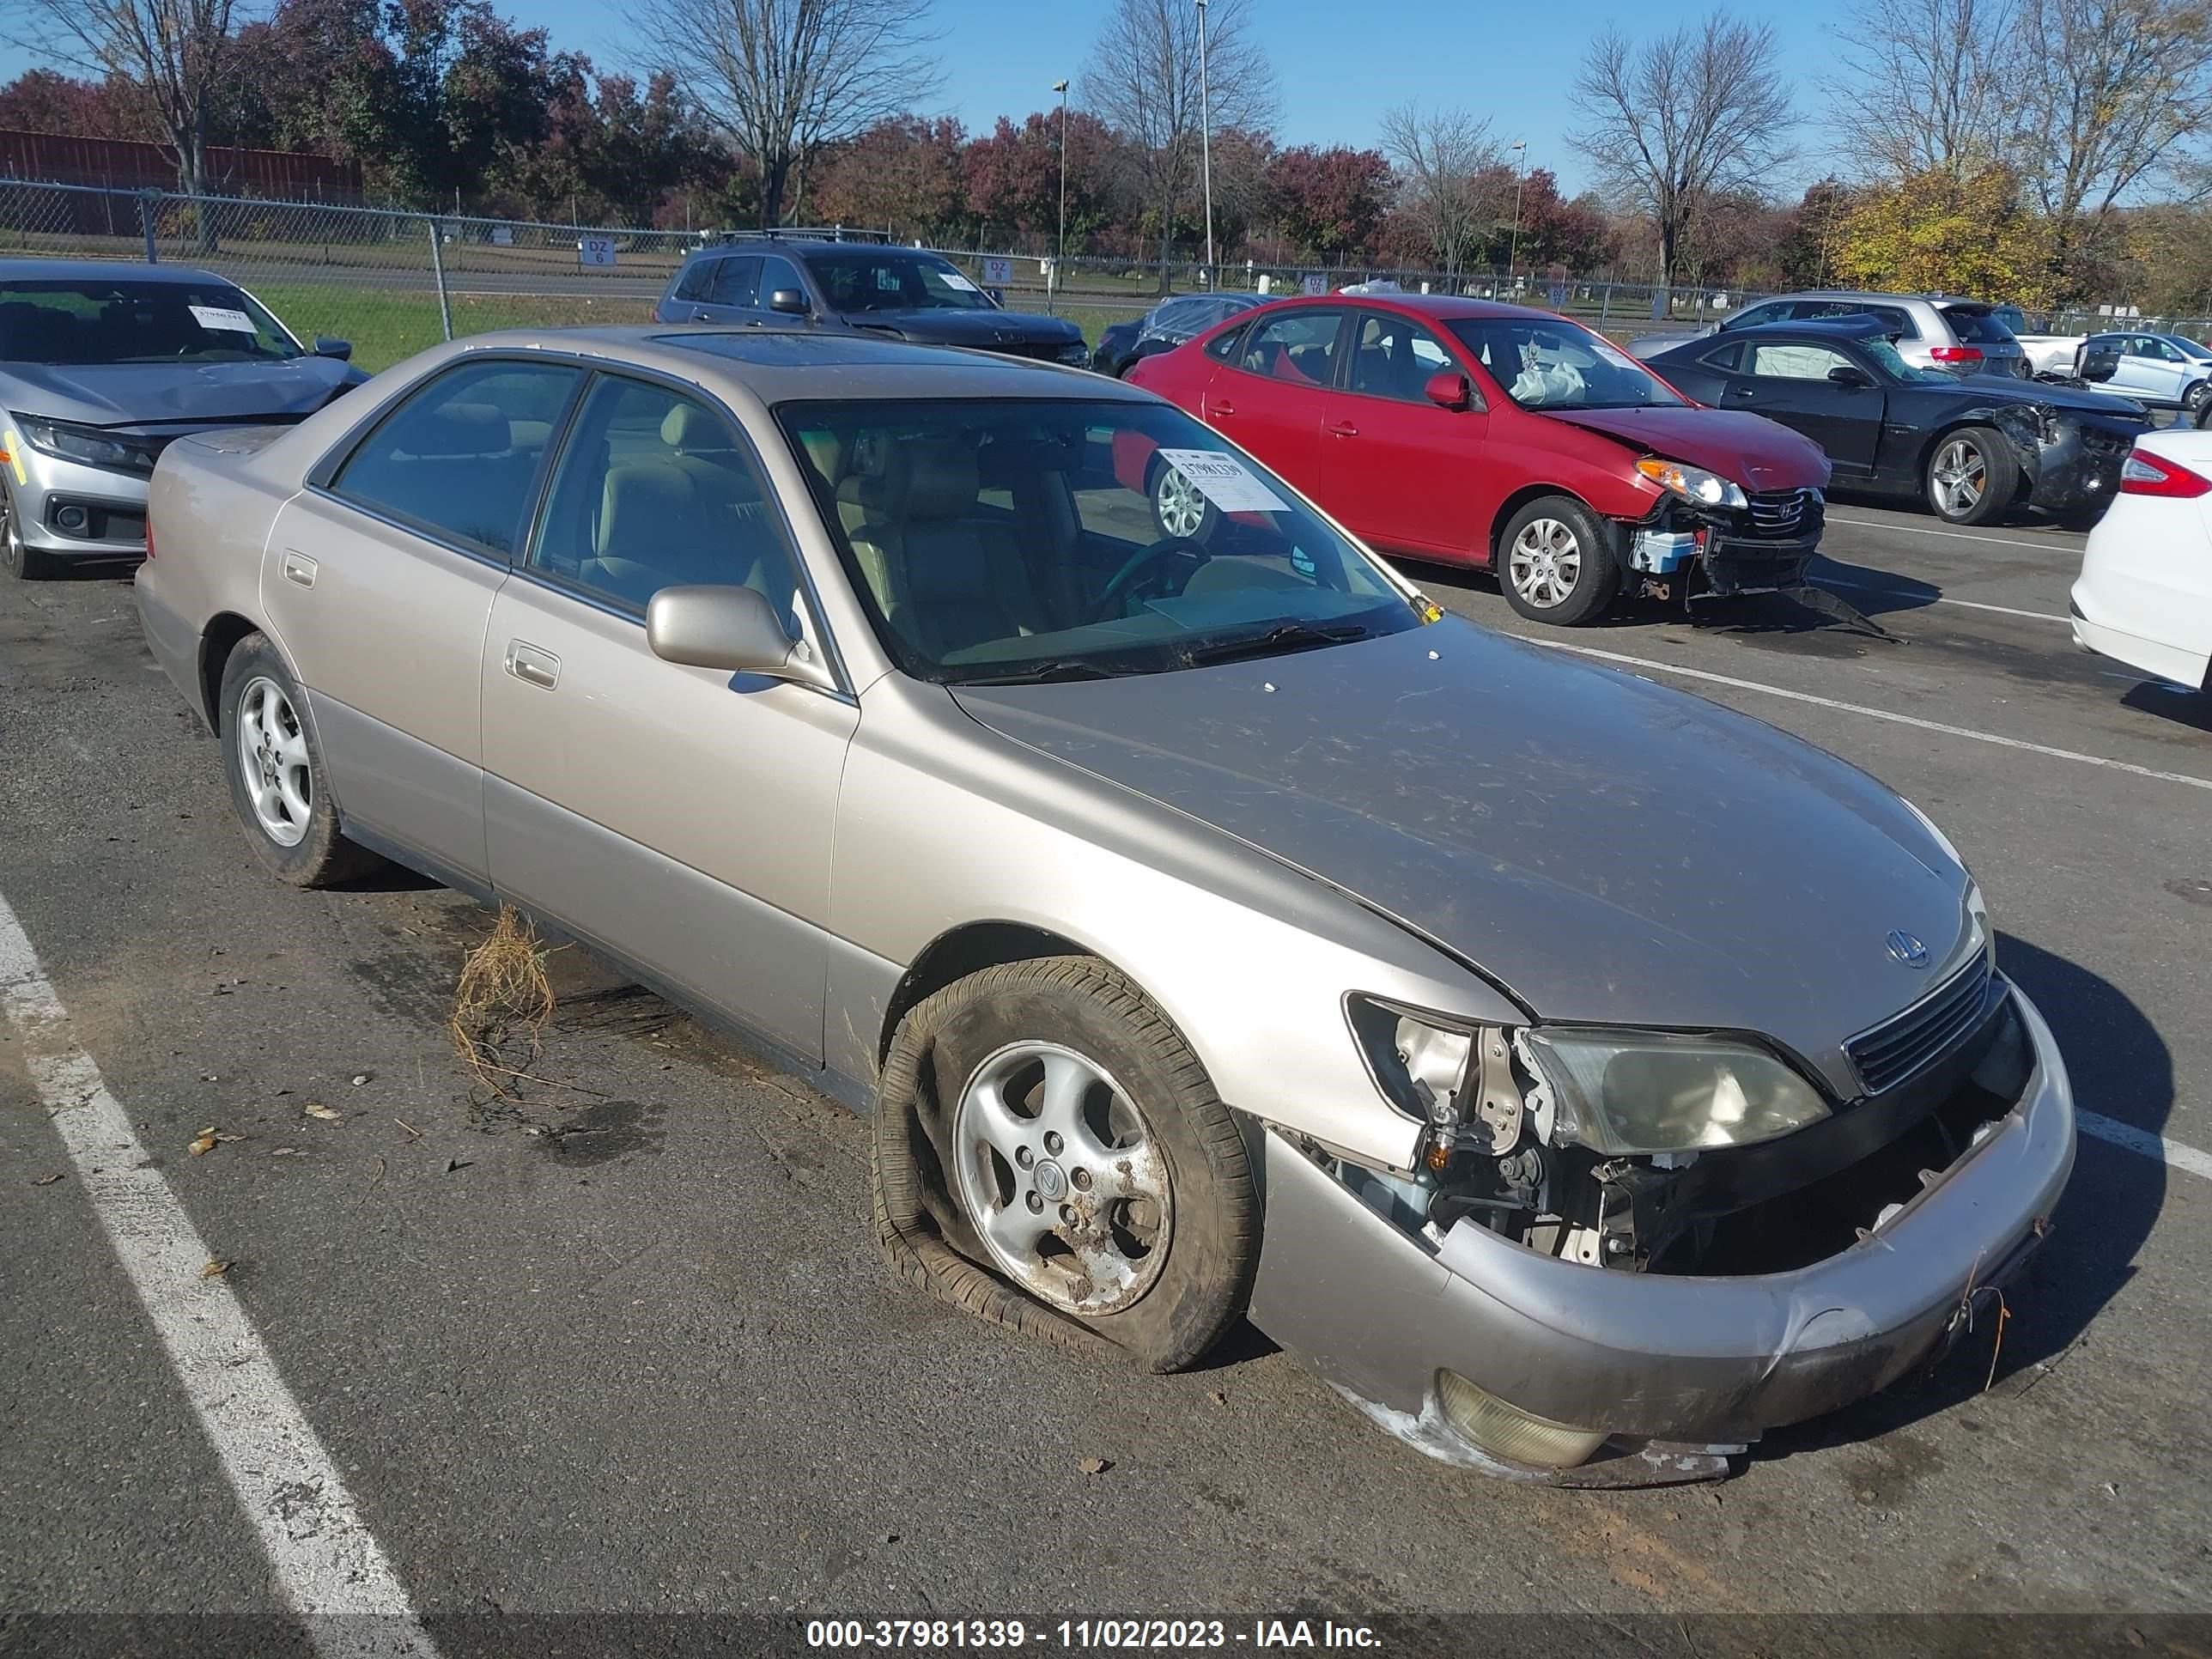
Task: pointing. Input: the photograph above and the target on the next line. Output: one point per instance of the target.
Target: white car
(2145, 593)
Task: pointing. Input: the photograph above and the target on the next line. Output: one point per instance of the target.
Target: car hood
(2012, 389)
(942, 326)
(1608, 849)
(172, 394)
(1756, 453)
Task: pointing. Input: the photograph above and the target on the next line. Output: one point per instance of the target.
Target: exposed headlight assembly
(1693, 483)
(1418, 1061)
(87, 445)
(1638, 1092)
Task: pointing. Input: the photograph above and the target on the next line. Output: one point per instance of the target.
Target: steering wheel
(1125, 579)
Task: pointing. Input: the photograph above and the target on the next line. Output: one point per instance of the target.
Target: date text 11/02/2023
(939, 1634)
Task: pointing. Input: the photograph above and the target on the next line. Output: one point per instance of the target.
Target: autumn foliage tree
(1941, 232)
(905, 175)
(1329, 203)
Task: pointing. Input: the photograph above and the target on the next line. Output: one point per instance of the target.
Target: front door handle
(700, 314)
(1743, 392)
(1343, 429)
(532, 664)
(299, 567)
(1220, 409)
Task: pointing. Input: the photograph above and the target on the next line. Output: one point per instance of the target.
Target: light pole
(1520, 178)
(1205, 141)
(1059, 259)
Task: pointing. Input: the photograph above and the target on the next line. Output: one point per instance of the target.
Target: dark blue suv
(784, 280)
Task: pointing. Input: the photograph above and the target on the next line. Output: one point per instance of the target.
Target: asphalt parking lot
(625, 1347)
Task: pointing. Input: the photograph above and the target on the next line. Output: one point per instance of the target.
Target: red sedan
(1473, 433)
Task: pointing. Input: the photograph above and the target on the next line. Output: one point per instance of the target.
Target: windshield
(1887, 359)
(92, 320)
(874, 279)
(1001, 541)
(1541, 363)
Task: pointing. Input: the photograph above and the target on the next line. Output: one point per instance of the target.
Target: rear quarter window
(694, 280)
(1224, 345)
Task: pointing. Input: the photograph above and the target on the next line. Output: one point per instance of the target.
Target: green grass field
(386, 327)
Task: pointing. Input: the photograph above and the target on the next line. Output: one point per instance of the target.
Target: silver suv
(1933, 331)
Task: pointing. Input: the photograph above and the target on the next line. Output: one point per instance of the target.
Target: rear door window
(697, 280)
(1299, 347)
(1796, 362)
(459, 458)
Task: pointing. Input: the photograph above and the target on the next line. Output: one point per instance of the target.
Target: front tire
(1045, 1121)
(278, 786)
(2196, 401)
(1179, 507)
(1972, 476)
(1556, 563)
(24, 564)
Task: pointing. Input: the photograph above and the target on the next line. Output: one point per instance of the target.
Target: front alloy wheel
(1556, 563)
(1960, 477)
(1972, 475)
(1059, 1171)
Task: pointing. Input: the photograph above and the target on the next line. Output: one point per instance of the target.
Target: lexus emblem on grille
(1904, 948)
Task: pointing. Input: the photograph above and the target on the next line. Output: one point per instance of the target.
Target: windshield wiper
(1285, 636)
(1043, 673)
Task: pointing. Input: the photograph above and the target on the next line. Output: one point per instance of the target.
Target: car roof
(1443, 307)
(773, 366)
(1842, 328)
(92, 270)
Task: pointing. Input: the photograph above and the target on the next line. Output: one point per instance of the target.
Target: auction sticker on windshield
(1226, 481)
(958, 279)
(221, 316)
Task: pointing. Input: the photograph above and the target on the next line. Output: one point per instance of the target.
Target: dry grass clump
(502, 1003)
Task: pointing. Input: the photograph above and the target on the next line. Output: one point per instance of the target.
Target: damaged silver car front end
(1523, 1305)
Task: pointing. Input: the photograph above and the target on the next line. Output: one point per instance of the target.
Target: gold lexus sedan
(1581, 1078)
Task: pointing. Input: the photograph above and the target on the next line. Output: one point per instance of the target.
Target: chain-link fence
(393, 282)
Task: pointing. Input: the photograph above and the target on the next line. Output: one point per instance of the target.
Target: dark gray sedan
(101, 366)
(1583, 1078)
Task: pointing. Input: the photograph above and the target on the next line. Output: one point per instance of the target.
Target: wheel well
(964, 951)
(217, 642)
(1519, 499)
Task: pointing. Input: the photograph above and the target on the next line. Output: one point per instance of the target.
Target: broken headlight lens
(1418, 1061)
(1644, 1092)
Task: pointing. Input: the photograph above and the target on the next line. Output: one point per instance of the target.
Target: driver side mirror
(725, 628)
(1447, 389)
(1849, 374)
(790, 300)
(326, 347)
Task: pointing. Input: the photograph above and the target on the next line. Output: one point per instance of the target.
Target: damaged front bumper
(1676, 1371)
(1765, 549)
(2071, 463)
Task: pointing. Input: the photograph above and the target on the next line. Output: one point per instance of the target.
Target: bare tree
(2125, 86)
(785, 78)
(1674, 124)
(1928, 83)
(1445, 159)
(1144, 82)
(176, 52)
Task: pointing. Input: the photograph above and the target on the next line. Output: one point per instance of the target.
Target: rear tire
(1556, 564)
(284, 803)
(1971, 475)
(25, 564)
(2195, 402)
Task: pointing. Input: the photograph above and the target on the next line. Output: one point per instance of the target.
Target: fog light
(74, 519)
(1507, 1431)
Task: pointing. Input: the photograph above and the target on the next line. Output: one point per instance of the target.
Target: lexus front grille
(1901, 1048)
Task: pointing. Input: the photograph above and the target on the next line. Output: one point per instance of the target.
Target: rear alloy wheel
(1971, 475)
(277, 783)
(1556, 563)
(2195, 400)
(24, 564)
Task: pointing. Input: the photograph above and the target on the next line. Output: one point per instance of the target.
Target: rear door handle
(1743, 392)
(1343, 429)
(533, 665)
(1220, 409)
(299, 567)
(699, 314)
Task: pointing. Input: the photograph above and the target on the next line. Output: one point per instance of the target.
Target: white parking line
(326, 1565)
(2172, 1152)
(1958, 535)
(1940, 599)
(1873, 714)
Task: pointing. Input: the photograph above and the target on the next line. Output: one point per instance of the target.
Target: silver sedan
(1581, 1078)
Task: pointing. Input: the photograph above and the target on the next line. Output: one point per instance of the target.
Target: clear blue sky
(1338, 64)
